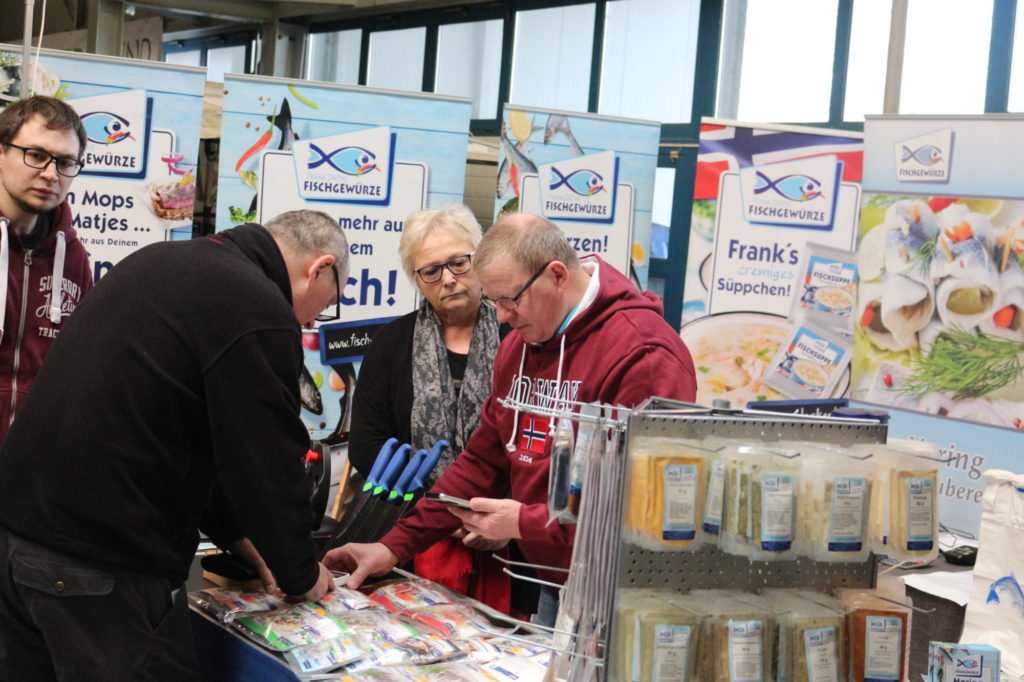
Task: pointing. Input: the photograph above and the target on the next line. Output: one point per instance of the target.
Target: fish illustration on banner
(592, 175)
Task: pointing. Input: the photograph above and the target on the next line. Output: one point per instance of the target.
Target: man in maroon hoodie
(41, 144)
(581, 332)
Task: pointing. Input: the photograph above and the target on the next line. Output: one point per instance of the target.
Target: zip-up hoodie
(32, 317)
(617, 348)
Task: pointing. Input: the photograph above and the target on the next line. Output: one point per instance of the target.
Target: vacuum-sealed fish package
(809, 363)
(826, 288)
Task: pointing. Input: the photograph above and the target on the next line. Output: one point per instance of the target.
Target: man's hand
(482, 544)
(246, 551)
(490, 518)
(361, 560)
(324, 584)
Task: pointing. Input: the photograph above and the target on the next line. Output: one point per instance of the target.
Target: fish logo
(583, 181)
(104, 127)
(1009, 589)
(969, 664)
(794, 187)
(348, 160)
(928, 155)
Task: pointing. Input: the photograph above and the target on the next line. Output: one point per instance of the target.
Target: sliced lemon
(871, 254)
(986, 207)
(520, 124)
(186, 179)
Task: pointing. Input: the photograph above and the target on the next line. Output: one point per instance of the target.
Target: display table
(227, 656)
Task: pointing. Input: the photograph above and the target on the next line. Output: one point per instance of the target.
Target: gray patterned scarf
(436, 412)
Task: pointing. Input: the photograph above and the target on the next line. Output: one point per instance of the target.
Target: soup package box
(809, 362)
(962, 662)
(826, 288)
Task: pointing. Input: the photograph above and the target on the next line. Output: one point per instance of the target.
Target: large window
(647, 64)
(334, 57)
(787, 53)
(1016, 102)
(865, 73)
(396, 59)
(222, 60)
(469, 64)
(552, 57)
(945, 64)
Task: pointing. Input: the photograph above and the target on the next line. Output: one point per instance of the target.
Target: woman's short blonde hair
(456, 218)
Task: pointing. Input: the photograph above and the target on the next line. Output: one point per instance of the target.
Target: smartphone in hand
(449, 500)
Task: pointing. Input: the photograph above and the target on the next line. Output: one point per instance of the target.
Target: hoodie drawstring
(5, 255)
(510, 446)
(558, 385)
(57, 283)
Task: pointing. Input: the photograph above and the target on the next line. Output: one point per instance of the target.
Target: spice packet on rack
(826, 288)
(809, 363)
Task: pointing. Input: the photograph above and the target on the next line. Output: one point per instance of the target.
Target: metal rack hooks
(545, 411)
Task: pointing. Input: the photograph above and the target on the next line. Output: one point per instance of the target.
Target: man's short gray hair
(456, 219)
(310, 233)
(530, 241)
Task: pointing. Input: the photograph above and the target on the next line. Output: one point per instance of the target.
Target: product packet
(343, 600)
(285, 629)
(324, 656)
(419, 650)
(809, 363)
(412, 594)
(225, 605)
(458, 621)
(560, 463)
(826, 290)
(378, 625)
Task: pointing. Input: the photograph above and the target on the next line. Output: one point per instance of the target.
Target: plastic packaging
(656, 637)
(298, 625)
(225, 605)
(585, 439)
(761, 502)
(809, 363)
(835, 493)
(879, 636)
(712, 512)
(414, 593)
(562, 446)
(378, 625)
(419, 650)
(343, 600)
(735, 640)
(811, 638)
(668, 479)
(907, 482)
(455, 620)
(324, 656)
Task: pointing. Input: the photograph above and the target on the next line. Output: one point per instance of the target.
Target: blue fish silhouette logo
(584, 182)
(1006, 588)
(347, 160)
(793, 187)
(928, 155)
(104, 127)
(969, 664)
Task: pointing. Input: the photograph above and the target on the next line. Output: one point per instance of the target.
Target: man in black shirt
(168, 404)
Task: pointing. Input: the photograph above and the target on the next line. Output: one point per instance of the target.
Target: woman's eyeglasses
(459, 265)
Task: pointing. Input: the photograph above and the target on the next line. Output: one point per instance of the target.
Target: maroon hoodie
(29, 324)
(618, 349)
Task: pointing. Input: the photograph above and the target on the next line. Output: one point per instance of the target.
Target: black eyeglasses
(459, 265)
(336, 315)
(40, 159)
(512, 302)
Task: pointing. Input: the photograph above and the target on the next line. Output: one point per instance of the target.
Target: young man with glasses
(44, 268)
(582, 333)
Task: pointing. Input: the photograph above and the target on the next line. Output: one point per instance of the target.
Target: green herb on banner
(965, 365)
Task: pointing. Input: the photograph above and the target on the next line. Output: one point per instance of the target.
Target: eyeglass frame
(445, 265)
(512, 302)
(337, 301)
(55, 160)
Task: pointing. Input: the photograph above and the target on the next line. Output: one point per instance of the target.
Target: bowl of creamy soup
(732, 351)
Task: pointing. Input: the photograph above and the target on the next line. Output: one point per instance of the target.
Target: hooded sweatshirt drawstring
(511, 444)
(57, 283)
(5, 255)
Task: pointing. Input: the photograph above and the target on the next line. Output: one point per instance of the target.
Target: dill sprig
(923, 257)
(965, 365)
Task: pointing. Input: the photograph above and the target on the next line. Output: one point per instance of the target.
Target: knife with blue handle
(380, 464)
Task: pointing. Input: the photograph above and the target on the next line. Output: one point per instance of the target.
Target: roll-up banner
(770, 275)
(142, 122)
(368, 158)
(591, 175)
(940, 317)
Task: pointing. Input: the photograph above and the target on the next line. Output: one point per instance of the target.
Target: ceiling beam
(218, 9)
